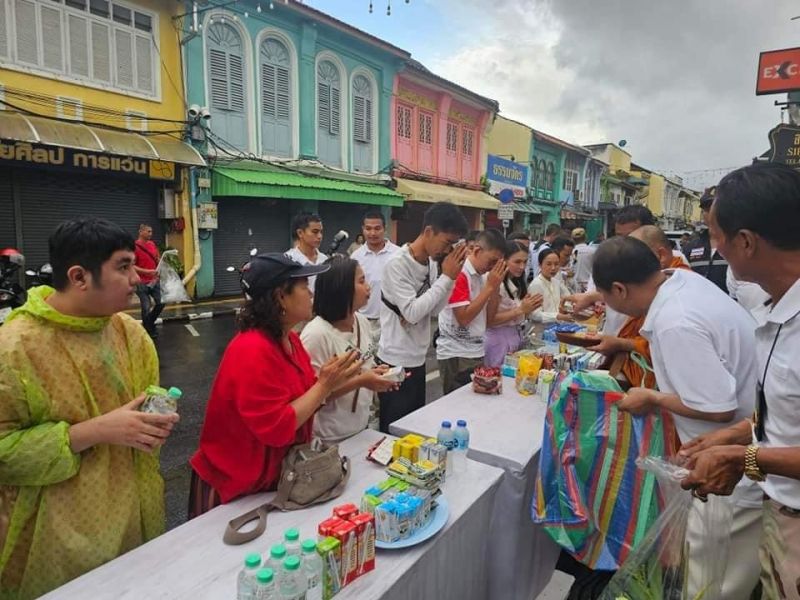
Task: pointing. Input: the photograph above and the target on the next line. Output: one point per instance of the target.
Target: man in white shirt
(705, 371)
(582, 259)
(550, 234)
(412, 293)
(752, 221)
(307, 235)
(373, 256)
(462, 324)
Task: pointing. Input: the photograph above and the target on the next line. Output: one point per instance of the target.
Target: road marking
(192, 330)
(431, 376)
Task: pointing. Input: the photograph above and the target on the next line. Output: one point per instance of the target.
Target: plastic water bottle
(312, 565)
(462, 445)
(245, 584)
(292, 583)
(265, 586)
(447, 439)
(161, 401)
(291, 539)
(277, 554)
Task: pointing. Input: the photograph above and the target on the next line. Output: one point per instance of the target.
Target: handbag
(310, 474)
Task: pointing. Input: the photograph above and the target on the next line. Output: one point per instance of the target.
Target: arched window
(225, 60)
(276, 98)
(329, 143)
(363, 120)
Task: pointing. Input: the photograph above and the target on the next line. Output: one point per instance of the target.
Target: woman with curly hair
(266, 392)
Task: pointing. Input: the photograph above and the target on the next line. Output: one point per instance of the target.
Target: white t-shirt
(374, 264)
(298, 256)
(336, 420)
(419, 294)
(701, 342)
(750, 295)
(552, 292)
(583, 257)
(533, 257)
(455, 340)
(781, 386)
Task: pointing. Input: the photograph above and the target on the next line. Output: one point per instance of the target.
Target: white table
(192, 562)
(506, 432)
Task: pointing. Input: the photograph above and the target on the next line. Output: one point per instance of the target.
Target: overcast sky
(675, 78)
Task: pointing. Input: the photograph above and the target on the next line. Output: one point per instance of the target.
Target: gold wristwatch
(751, 468)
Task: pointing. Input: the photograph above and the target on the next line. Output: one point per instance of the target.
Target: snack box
(346, 534)
(330, 550)
(365, 533)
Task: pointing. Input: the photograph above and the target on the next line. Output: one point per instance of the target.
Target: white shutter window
(78, 49)
(3, 28)
(123, 45)
(144, 63)
(268, 78)
(101, 53)
(26, 32)
(283, 94)
(218, 72)
(359, 119)
(324, 105)
(335, 111)
(52, 44)
(236, 67)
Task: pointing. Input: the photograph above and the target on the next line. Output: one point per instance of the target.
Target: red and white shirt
(455, 340)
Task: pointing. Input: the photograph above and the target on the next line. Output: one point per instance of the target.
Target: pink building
(438, 140)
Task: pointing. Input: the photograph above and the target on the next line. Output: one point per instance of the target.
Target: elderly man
(750, 223)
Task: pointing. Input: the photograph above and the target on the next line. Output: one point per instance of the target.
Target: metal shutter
(341, 215)
(47, 199)
(8, 238)
(246, 223)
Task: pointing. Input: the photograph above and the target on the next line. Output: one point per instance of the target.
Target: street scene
(314, 299)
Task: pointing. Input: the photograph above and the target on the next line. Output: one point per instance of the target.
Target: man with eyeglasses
(751, 223)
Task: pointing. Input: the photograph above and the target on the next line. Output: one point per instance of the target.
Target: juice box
(345, 511)
(325, 529)
(330, 550)
(365, 532)
(369, 503)
(346, 534)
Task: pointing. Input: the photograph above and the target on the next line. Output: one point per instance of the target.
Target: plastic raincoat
(63, 514)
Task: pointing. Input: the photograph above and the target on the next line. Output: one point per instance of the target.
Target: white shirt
(781, 386)
(336, 420)
(583, 257)
(456, 340)
(703, 355)
(298, 256)
(552, 291)
(533, 257)
(750, 295)
(374, 264)
(405, 342)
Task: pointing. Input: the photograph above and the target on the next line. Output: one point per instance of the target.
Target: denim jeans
(150, 293)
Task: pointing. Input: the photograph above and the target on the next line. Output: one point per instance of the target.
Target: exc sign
(778, 71)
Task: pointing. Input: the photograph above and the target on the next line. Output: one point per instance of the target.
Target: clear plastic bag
(172, 290)
(660, 567)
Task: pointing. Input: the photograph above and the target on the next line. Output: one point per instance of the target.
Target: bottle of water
(245, 584)
(277, 554)
(265, 586)
(161, 401)
(292, 584)
(291, 539)
(447, 439)
(461, 435)
(312, 565)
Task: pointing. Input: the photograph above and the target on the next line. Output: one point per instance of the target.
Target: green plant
(173, 260)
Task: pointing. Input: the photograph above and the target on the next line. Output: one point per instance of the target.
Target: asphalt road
(190, 354)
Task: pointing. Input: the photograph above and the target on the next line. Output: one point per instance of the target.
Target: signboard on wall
(778, 71)
(505, 174)
(207, 215)
(784, 145)
(505, 212)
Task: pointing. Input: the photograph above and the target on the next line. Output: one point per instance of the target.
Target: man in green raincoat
(79, 478)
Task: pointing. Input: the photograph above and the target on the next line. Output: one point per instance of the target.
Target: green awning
(527, 207)
(289, 185)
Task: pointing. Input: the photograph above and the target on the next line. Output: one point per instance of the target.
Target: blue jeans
(148, 292)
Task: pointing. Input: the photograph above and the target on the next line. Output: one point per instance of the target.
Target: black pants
(410, 397)
(145, 293)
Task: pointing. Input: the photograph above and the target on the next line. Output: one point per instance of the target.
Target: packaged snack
(545, 383)
(386, 522)
(527, 374)
(369, 503)
(487, 380)
(346, 534)
(330, 550)
(345, 511)
(365, 533)
(325, 529)
(405, 521)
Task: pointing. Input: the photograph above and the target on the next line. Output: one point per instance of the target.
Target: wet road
(189, 355)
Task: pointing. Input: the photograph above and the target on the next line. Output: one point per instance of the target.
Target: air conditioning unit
(166, 204)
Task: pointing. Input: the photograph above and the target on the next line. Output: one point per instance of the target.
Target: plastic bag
(172, 290)
(590, 497)
(528, 374)
(659, 567)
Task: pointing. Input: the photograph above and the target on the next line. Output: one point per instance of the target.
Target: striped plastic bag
(589, 496)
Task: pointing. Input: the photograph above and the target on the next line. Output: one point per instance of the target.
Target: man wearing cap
(703, 256)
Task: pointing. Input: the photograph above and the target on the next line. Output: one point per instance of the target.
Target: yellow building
(652, 194)
(510, 139)
(93, 114)
(617, 159)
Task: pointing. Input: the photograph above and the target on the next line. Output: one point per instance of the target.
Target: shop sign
(778, 71)
(83, 161)
(505, 174)
(207, 215)
(505, 211)
(784, 145)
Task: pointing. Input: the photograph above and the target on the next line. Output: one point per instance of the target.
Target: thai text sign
(505, 174)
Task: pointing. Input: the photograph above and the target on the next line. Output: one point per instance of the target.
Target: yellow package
(528, 374)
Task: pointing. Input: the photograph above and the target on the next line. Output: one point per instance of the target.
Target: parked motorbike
(41, 276)
(12, 294)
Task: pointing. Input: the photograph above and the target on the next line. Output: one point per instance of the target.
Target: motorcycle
(12, 294)
(41, 276)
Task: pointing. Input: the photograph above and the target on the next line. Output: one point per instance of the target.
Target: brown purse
(310, 474)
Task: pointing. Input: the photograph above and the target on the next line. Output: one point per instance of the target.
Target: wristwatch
(751, 468)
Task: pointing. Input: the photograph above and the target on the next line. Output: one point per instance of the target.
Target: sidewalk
(205, 309)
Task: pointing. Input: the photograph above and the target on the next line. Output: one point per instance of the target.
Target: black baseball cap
(267, 271)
